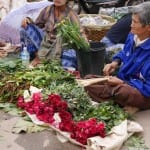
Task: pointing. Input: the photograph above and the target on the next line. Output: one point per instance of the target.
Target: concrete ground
(47, 140)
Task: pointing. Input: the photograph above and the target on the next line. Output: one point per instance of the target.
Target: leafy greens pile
(52, 78)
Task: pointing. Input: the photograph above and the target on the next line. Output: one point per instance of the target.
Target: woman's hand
(110, 68)
(25, 22)
(114, 81)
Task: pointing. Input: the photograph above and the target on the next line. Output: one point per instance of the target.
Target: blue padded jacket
(135, 67)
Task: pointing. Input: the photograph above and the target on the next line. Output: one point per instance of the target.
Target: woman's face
(137, 28)
(59, 2)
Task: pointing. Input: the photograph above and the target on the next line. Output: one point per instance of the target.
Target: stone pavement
(47, 140)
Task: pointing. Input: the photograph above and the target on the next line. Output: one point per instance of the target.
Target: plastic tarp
(10, 25)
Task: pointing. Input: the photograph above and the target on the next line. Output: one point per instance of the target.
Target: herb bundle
(71, 36)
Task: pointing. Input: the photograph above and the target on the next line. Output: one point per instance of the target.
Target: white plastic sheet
(10, 25)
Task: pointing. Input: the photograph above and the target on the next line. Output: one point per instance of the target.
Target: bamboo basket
(97, 32)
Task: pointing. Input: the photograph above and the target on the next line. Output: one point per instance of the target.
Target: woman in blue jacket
(131, 86)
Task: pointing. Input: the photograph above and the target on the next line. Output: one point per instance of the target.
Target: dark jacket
(120, 30)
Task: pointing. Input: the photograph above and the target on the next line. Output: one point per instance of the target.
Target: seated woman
(50, 47)
(131, 86)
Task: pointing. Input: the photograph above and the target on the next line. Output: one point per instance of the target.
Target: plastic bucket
(91, 62)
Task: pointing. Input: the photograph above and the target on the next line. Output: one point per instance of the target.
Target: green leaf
(136, 142)
(27, 127)
(10, 108)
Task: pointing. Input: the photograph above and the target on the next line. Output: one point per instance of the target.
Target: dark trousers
(122, 94)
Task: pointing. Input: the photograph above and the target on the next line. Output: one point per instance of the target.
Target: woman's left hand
(112, 80)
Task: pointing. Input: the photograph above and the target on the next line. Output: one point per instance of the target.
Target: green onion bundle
(71, 36)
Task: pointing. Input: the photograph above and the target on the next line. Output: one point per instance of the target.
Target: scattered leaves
(23, 126)
(136, 142)
(10, 109)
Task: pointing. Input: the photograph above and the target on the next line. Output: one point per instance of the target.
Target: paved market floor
(47, 140)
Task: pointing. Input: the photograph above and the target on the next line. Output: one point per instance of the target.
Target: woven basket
(97, 32)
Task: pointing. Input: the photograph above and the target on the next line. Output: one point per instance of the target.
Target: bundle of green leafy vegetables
(52, 78)
(71, 36)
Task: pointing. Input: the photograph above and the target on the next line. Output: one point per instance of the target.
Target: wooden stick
(86, 82)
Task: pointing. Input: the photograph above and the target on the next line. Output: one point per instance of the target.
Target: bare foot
(35, 62)
(131, 110)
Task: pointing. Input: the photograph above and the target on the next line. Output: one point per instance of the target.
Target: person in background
(119, 31)
(131, 86)
(50, 46)
(115, 37)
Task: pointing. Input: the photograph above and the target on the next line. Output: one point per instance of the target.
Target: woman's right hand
(110, 68)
